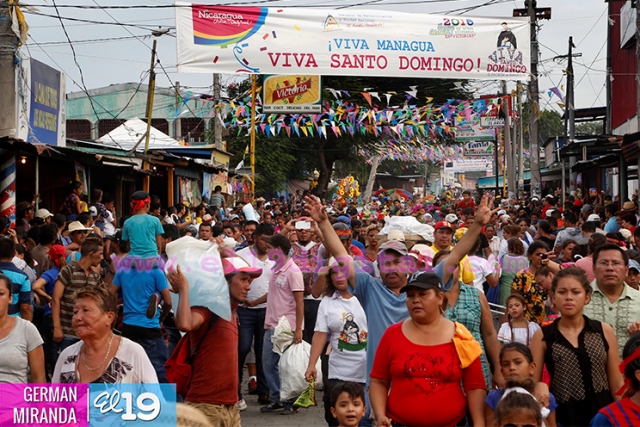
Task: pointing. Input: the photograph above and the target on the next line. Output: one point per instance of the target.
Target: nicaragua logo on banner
(222, 27)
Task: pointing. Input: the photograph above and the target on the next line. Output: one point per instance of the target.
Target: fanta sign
(478, 148)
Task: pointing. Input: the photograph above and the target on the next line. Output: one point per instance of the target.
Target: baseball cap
(501, 212)
(594, 218)
(394, 245)
(443, 224)
(140, 195)
(578, 203)
(549, 212)
(633, 264)
(587, 208)
(93, 211)
(451, 218)
(342, 230)
(57, 251)
(422, 281)
(116, 237)
(422, 253)
(207, 218)
(43, 213)
(236, 264)
(345, 219)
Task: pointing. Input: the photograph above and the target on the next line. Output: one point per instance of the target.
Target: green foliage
(275, 160)
(281, 158)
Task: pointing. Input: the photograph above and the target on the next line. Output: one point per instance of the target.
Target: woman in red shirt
(420, 362)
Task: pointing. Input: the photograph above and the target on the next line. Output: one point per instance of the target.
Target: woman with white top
(341, 316)
(21, 343)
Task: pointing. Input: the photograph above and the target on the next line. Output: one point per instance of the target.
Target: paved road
(252, 417)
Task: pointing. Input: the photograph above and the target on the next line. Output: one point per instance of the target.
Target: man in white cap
(44, 215)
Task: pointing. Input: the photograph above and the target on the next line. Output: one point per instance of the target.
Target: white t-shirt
(519, 334)
(345, 320)
(130, 365)
(481, 269)
(109, 229)
(504, 248)
(14, 359)
(260, 285)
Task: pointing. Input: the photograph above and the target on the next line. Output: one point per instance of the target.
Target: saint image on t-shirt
(506, 39)
(351, 338)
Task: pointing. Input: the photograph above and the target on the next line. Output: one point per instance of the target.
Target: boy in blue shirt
(142, 231)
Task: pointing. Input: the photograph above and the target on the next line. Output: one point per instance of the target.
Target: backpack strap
(195, 344)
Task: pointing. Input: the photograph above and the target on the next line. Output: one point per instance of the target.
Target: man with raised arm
(381, 299)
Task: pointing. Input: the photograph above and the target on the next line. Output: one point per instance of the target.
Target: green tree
(297, 157)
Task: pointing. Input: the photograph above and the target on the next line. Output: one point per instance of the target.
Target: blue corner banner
(132, 405)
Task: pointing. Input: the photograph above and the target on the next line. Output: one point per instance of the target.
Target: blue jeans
(251, 330)
(270, 365)
(271, 371)
(156, 350)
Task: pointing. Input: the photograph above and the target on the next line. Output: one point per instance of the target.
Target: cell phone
(544, 256)
(303, 225)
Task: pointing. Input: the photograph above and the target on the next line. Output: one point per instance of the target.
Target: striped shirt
(74, 279)
(21, 286)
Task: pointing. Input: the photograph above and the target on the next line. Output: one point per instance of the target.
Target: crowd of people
(405, 329)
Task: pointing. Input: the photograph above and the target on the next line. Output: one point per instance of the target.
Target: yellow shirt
(466, 272)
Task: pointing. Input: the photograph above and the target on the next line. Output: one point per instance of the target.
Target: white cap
(594, 218)
(451, 218)
(43, 213)
(549, 212)
(501, 212)
(396, 235)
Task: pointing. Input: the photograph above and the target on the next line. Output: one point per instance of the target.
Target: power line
(108, 39)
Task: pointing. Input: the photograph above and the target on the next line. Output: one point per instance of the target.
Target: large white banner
(233, 39)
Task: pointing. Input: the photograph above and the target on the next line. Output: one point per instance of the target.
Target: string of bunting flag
(345, 118)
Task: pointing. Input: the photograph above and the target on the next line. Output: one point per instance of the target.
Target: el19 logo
(131, 404)
(106, 402)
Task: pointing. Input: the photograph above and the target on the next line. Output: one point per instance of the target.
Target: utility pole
(534, 123)
(217, 126)
(511, 177)
(8, 100)
(150, 93)
(253, 137)
(177, 130)
(521, 141)
(570, 117)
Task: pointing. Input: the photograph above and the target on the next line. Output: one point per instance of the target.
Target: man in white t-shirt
(252, 313)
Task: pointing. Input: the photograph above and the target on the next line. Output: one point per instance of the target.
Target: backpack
(178, 366)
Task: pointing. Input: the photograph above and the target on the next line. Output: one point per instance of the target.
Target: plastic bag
(293, 365)
(250, 213)
(308, 396)
(282, 336)
(200, 262)
(408, 225)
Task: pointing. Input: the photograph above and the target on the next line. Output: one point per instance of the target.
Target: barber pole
(8, 186)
